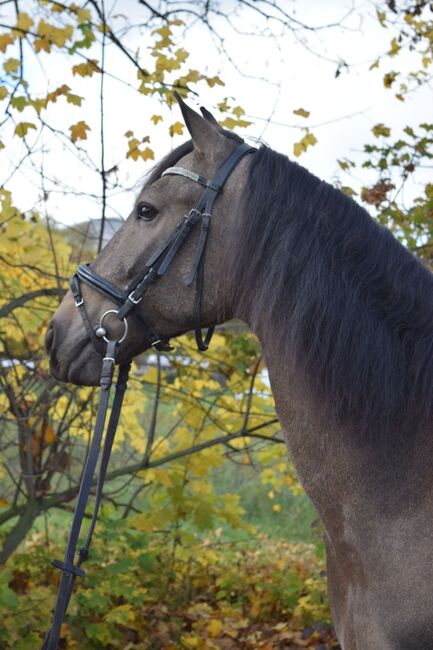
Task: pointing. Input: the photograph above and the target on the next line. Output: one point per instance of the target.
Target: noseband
(126, 302)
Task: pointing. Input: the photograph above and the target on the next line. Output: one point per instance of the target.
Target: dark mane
(348, 304)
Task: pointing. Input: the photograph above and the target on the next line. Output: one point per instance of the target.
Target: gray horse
(344, 315)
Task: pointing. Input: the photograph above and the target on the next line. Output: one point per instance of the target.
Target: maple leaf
(5, 41)
(24, 23)
(11, 65)
(79, 131)
(176, 129)
(86, 69)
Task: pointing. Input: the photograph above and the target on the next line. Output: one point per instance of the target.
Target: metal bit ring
(125, 325)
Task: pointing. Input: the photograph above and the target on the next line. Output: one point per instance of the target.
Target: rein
(126, 302)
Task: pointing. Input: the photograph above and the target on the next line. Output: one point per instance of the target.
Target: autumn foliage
(177, 560)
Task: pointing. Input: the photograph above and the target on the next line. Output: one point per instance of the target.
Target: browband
(181, 171)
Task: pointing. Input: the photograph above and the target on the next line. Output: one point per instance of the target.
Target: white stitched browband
(182, 172)
(197, 178)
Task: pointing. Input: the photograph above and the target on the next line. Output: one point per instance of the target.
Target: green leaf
(19, 103)
(381, 129)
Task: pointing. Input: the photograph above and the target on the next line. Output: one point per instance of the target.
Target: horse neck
(336, 468)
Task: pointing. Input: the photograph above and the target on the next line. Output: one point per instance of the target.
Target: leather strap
(70, 570)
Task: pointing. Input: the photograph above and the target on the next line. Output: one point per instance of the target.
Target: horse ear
(202, 131)
(209, 117)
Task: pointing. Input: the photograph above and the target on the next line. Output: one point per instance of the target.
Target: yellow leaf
(215, 627)
(86, 69)
(298, 149)
(3, 503)
(176, 128)
(389, 79)
(48, 434)
(22, 128)
(395, 47)
(147, 154)
(238, 111)
(381, 15)
(214, 81)
(308, 140)
(11, 65)
(54, 34)
(24, 23)
(276, 507)
(302, 112)
(73, 99)
(190, 641)
(3, 92)
(54, 94)
(156, 118)
(231, 123)
(181, 55)
(79, 131)
(348, 190)
(5, 41)
(83, 16)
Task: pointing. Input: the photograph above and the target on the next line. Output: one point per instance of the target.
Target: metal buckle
(78, 304)
(125, 325)
(133, 299)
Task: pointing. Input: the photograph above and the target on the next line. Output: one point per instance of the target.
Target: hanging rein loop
(127, 301)
(70, 566)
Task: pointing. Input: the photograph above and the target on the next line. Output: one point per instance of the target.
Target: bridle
(127, 301)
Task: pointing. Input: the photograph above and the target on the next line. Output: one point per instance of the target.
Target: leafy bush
(141, 592)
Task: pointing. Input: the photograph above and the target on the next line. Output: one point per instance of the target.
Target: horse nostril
(49, 338)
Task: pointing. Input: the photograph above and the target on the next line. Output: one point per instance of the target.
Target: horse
(344, 316)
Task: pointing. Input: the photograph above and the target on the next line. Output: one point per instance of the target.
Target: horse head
(192, 290)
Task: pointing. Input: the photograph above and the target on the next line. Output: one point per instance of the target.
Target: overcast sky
(274, 76)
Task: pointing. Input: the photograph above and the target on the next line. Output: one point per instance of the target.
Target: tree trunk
(19, 531)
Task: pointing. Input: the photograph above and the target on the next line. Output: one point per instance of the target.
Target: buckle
(78, 303)
(133, 300)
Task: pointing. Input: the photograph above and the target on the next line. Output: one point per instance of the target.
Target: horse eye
(146, 212)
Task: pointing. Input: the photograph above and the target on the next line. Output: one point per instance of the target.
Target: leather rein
(126, 302)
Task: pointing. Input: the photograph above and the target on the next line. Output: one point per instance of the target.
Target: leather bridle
(127, 302)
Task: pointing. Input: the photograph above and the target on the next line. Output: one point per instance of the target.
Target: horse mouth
(81, 366)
